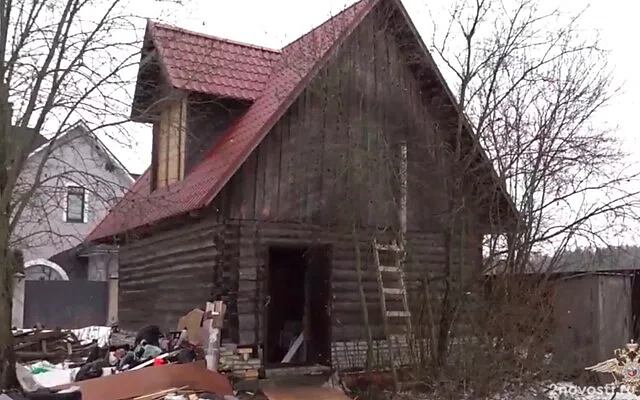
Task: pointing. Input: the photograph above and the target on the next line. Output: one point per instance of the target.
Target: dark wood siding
(207, 119)
(164, 276)
(592, 315)
(331, 158)
(326, 167)
(427, 255)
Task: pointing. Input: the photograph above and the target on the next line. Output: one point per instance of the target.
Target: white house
(80, 180)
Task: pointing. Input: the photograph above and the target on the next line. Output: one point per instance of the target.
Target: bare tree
(531, 90)
(60, 61)
(80, 168)
(533, 87)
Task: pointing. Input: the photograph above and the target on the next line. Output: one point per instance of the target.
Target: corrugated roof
(273, 93)
(212, 65)
(270, 79)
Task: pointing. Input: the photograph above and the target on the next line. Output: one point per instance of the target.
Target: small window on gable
(76, 207)
(169, 143)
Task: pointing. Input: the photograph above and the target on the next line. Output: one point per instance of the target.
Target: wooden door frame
(293, 244)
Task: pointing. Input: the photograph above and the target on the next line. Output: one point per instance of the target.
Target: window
(169, 143)
(75, 206)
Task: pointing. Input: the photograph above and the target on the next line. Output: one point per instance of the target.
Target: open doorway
(298, 324)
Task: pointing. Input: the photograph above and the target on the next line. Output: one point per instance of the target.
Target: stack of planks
(181, 393)
(238, 362)
(51, 345)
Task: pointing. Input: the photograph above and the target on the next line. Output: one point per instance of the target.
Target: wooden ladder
(391, 283)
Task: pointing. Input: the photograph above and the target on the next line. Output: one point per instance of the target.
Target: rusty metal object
(304, 392)
(131, 384)
(360, 380)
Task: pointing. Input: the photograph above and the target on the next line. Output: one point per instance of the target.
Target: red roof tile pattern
(207, 64)
(290, 71)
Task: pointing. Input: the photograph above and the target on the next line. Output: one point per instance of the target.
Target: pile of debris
(188, 363)
(180, 393)
(54, 346)
(239, 362)
(189, 381)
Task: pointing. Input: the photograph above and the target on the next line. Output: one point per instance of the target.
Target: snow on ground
(568, 391)
(547, 391)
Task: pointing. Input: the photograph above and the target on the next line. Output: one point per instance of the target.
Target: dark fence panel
(65, 304)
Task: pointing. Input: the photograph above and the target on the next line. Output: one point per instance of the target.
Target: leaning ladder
(386, 275)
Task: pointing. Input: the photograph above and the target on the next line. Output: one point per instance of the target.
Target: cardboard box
(192, 322)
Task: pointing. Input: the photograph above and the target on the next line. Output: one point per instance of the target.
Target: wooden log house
(272, 171)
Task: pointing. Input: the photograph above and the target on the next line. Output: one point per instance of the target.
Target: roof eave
(149, 56)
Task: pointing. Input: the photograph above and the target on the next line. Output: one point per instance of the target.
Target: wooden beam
(293, 349)
(212, 321)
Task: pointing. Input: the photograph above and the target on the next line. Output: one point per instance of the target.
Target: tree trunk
(8, 379)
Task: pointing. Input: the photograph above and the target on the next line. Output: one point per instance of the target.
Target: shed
(596, 303)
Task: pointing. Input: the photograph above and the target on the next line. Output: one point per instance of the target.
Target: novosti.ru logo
(575, 391)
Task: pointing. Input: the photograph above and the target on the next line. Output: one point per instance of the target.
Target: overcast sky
(274, 23)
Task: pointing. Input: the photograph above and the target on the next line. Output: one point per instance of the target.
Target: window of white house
(76, 204)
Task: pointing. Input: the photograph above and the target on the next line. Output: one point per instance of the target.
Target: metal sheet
(304, 392)
(65, 304)
(130, 384)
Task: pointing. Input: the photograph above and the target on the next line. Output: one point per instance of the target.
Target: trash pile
(51, 345)
(191, 381)
(181, 393)
(97, 363)
(51, 360)
(56, 357)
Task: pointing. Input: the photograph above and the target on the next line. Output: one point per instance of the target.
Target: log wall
(166, 275)
(426, 260)
(327, 165)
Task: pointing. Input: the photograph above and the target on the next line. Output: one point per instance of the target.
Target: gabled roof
(288, 77)
(208, 64)
(291, 70)
(27, 138)
(84, 131)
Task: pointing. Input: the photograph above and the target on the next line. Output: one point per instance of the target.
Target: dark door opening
(298, 303)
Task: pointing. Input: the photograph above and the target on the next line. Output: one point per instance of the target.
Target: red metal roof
(207, 64)
(272, 79)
